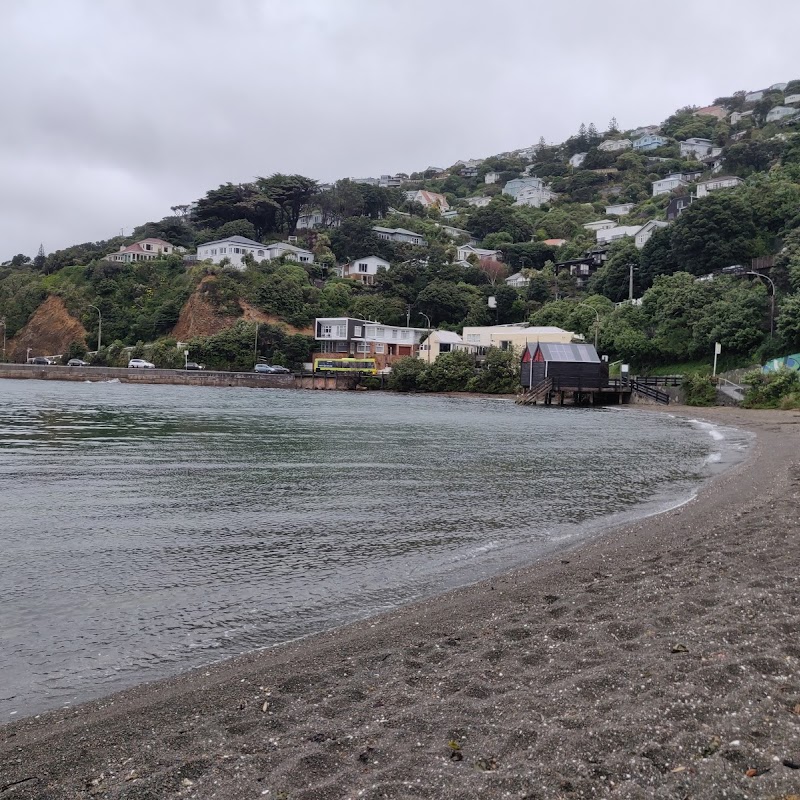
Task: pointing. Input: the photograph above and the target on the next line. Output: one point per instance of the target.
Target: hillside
(689, 197)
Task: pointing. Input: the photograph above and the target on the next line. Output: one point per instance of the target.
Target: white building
(620, 209)
(696, 148)
(577, 160)
(790, 99)
(517, 281)
(478, 202)
(666, 185)
(781, 112)
(614, 145)
(647, 230)
(310, 219)
(143, 250)
(365, 269)
(491, 177)
(754, 97)
(428, 199)
(515, 336)
(515, 186)
(534, 196)
(600, 224)
(439, 342)
(235, 248)
(400, 236)
(738, 116)
(777, 87)
(722, 182)
(608, 235)
(466, 250)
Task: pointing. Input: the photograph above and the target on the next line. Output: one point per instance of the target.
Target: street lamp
(772, 300)
(428, 320)
(597, 321)
(28, 355)
(99, 326)
(4, 338)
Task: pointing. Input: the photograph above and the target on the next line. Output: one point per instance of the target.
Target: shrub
(771, 389)
(405, 374)
(698, 390)
(499, 374)
(451, 372)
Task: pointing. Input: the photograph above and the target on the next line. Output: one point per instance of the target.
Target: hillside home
(143, 250)
(666, 185)
(677, 205)
(645, 131)
(466, 250)
(310, 219)
(738, 116)
(620, 209)
(754, 97)
(456, 233)
(478, 202)
(235, 248)
(600, 225)
(608, 235)
(366, 181)
(577, 159)
(517, 281)
(614, 145)
(583, 268)
(428, 199)
(469, 172)
(491, 177)
(516, 185)
(514, 337)
(777, 87)
(720, 112)
(392, 181)
(723, 182)
(780, 113)
(713, 161)
(555, 242)
(650, 141)
(695, 148)
(442, 342)
(451, 213)
(365, 269)
(533, 196)
(346, 337)
(791, 99)
(646, 231)
(400, 236)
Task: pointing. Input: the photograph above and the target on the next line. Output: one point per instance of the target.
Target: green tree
(405, 374)
(451, 372)
(613, 279)
(443, 302)
(291, 193)
(499, 373)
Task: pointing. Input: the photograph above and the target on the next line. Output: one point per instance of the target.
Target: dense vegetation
(678, 320)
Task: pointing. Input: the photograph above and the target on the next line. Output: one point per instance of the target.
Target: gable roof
(446, 337)
(235, 240)
(554, 351)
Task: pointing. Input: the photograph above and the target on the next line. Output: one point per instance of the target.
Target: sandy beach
(659, 660)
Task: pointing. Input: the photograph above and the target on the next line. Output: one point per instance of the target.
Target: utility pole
(630, 282)
(772, 300)
(99, 327)
(4, 339)
(255, 345)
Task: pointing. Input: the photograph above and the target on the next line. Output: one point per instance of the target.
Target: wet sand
(659, 660)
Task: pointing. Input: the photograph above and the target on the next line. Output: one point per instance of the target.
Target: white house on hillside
(754, 97)
(790, 99)
(644, 233)
(534, 196)
(600, 224)
(614, 145)
(577, 160)
(738, 116)
(365, 269)
(650, 141)
(491, 177)
(721, 182)
(400, 236)
(143, 250)
(608, 235)
(781, 112)
(696, 148)
(515, 186)
(234, 248)
(428, 199)
(620, 209)
(517, 281)
(478, 202)
(666, 185)
(439, 342)
(466, 250)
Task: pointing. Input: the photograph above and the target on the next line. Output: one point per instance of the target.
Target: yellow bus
(359, 366)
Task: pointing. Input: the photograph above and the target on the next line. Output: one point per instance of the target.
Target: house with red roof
(144, 250)
(428, 199)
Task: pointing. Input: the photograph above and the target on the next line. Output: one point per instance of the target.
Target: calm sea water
(149, 529)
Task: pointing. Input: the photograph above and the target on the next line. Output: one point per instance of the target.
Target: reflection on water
(148, 529)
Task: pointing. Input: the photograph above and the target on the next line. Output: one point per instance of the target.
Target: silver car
(140, 363)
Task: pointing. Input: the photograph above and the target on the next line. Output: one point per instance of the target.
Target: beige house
(516, 336)
(143, 250)
(442, 342)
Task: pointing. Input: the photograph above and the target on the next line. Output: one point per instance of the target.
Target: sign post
(186, 359)
(717, 351)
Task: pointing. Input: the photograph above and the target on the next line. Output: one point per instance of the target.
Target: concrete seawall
(178, 377)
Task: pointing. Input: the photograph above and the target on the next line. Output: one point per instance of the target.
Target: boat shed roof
(554, 351)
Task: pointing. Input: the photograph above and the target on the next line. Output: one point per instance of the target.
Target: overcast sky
(113, 111)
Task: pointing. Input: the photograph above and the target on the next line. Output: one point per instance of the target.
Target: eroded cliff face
(50, 331)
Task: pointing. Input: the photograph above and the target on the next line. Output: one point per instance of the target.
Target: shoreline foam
(659, 659)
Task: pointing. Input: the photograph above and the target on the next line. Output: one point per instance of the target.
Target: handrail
(736, 386)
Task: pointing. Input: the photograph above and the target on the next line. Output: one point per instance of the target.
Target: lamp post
(4, 338)
(99, 327)
(255, 345)
(28, 354)
(428, 320)
(772, 300)
(596, 323)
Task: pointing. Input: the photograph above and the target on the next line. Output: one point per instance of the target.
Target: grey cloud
(117, 110)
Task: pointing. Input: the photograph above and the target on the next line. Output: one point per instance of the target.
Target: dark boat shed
(569, 367)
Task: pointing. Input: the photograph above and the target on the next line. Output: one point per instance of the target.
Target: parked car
(282, 370)
(41, 361)
(77, 362)
(264, 368)
(194, 365)
(140, 363)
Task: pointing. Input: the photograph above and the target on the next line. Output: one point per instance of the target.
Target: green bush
(771, 389)
(451, 372)
(499, 373)
(405, 374)
(698, 390)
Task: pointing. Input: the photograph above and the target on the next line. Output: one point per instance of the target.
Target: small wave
(113, 380)
(712, 458)
(712, 430)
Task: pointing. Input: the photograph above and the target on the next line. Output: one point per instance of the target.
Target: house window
(380, 333)
(363, 267)
(304, 258)
(371, 332)
(362, 347)
(394, 333)
(327, 330)
(405, 334)
(505, 345)
(261, 253)
(379, 348)
(415, 240)
(444, 347)
(357, 330)
(148, 247)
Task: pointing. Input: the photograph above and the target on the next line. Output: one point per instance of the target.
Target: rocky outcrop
(50, 331)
